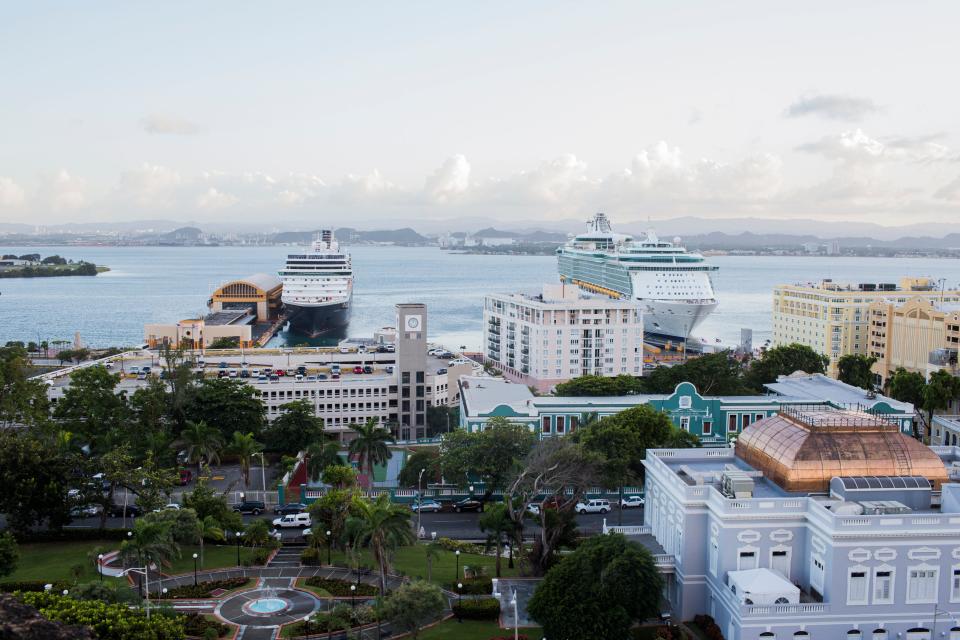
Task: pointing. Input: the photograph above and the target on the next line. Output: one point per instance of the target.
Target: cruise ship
(673, 287)
(318, 287)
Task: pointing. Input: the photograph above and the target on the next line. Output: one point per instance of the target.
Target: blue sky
(539, 110)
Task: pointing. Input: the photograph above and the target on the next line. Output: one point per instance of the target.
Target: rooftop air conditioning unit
(883, 507)
(736, 484)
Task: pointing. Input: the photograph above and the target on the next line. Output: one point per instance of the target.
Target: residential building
(542, 340)
(834, 319)
(820, 524)
(714, 419)
(921, 335)
(946, 428)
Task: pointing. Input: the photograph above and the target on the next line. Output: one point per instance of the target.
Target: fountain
(267, 603)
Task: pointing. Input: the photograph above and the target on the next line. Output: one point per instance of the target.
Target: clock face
(413, 323)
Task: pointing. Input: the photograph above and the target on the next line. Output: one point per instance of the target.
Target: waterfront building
(834, 319)
(714, 419)
(561, 333)
(820, 524)
(920, 335)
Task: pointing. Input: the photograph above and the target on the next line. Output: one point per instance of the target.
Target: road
(460, 526)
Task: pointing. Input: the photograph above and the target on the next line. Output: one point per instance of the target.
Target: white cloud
(833, 107)
(61, 191)
(949, 192)
(448, 182)
(857, 146)
(11, 194)
(213, 199)
(150, 186)
(170, 125)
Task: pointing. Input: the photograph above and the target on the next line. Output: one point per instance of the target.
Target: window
(879, 634)
(854, 634)
(747, 559)
(707, 427)
(922, 585)
(816, 573)
(857, 586)
(732, 423)
(780, 561)
(955, 584)
(746, 420)
(918, 633)
(714, 556)
(883, 585)
(546, 424)
(560, 425)
(685, 423)
(757, 417)
(685, 402)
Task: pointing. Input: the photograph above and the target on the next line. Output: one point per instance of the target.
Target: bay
(166, 284)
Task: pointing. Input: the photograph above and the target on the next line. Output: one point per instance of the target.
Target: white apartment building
(542, 340)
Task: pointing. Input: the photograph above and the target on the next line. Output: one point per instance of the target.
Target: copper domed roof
(802, 449)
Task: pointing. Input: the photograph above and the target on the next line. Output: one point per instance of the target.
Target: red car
(280, 372)
(358, 369)
(185, 477)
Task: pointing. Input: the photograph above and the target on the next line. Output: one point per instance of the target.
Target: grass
(55, 560)
(301, 583)
(474, 630)
(412, 561)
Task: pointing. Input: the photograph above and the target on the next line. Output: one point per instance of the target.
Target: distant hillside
(405, 236)
(748, 240)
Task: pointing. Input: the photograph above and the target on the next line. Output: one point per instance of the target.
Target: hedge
(204, 589)
(196, 625)
(108, 621)
(341, 588)
(456, 545)
(30, 586)
(477, 609)
(482, 586)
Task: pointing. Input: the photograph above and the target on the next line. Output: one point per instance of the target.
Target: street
(460, 526)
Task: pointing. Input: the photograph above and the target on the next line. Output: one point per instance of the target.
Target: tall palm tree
(383, 527)
(244, 446)
(202, 443)
(498, 526)
(320, 455)
(149, 543)
(209, 528)
(371, 445)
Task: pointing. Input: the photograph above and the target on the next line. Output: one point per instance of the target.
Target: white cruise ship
(318, 286)
(672, 286)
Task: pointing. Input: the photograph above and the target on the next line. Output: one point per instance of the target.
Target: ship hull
(674, 319)
(317, 321)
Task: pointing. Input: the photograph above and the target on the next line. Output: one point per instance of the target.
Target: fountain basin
(266, 606)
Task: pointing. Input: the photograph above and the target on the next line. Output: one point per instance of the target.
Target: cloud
(11, 194)
(448, 182)
(61, 191)
(171, 125)
(949, 192)
(857, 146)
(833, 107)
(695, 117)
(213, 199)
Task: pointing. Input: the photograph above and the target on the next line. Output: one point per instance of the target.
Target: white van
(292, 520)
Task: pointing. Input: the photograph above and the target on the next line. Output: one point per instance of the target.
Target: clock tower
(412, 367)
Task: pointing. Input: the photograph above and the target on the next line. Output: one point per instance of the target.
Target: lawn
(412, 561)
(474, 630)
(54, 560)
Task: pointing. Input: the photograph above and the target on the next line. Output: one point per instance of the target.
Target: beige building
(200, 333)
(834, 319)
(920, 335)
(560, 334)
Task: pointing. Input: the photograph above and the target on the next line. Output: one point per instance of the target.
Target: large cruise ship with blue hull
(673, 287)
(318, 287)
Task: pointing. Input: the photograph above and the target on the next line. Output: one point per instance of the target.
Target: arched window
(781, 600)
(854, 634)
(955, 633)
(767, 635)
(879, 634)
(747, 601)
(918, 633)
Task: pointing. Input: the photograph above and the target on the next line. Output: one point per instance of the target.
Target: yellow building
(833, 318)
(921, 335)
(259, 292)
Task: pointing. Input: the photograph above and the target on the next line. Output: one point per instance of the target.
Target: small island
(31, 265)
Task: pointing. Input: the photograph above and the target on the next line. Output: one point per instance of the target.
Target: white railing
(782, 609)
(627, 530)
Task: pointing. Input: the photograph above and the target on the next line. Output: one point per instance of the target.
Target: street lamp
(353, 591)
(306, 627)
(459, 598)
(419, 499)
(457, 553)
(100, 565)
(329, 542)
(194, 569)
(238, 547)
(164, 592)
(66, 592)
(516, 620)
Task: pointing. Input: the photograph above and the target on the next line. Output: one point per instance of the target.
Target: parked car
(254, 507)
(302, 370)
(468, 504)
(441, 371)
(291, 372)
(335, 375)
(293, 507)
(382, 349)
(533, 508)
(321, 376)
(457, 361)
(599, 505)
(628, 502)
(427, 506)
(391, 348)
(116, 511)
(244, 373)
(292, 520)
(280, 372)
(344, 349)
(358, 369)
(274, 378)
(86, 511)
(185, 477)
(222, 365)
(134, 370)
(173, 506)
(367, 369)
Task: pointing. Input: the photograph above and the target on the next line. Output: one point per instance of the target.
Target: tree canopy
(782, 361)
(294, 429)
(854, 369)
(488, 456)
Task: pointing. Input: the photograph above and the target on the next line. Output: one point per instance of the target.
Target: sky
(380, 112)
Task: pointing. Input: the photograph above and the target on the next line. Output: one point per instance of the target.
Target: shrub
(311, 557)
(463, 547)
(710, 628)
(258, 558)
(108, 621)
(204, 589)
(200, 626)
(477, 609)
(482, 586)
(341, 588)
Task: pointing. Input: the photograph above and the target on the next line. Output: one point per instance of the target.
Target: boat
(673, 287)
(318, 287)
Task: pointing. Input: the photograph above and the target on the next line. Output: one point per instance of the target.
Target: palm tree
(244, 446)
(371, 445)
(209, 528)
(149, 543)
(498, 526)
(383, 527)
(432, 550)
(201, 442)
(321, 455)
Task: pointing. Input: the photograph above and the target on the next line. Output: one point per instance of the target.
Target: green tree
(854, 369)
(225, 343)
(150, 542)
(782, 361)
(148, 427)
(257, 533)
(202, 444)
(322, 454)
(942, 387)
(413, 605)
(618, 585)
(427, 458)
(34, 474)
(294, 429)
(9, 554)
(209, 529)
(441, 418)
(330, 513)
(371, 446)
(340, 476)
(227, 405)
(92, 408)
(712, 374)
(490, 456)
(22, 401)
(495, 521)
(906, 386)
(382, 526)
(591, 385)
(244, 446)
